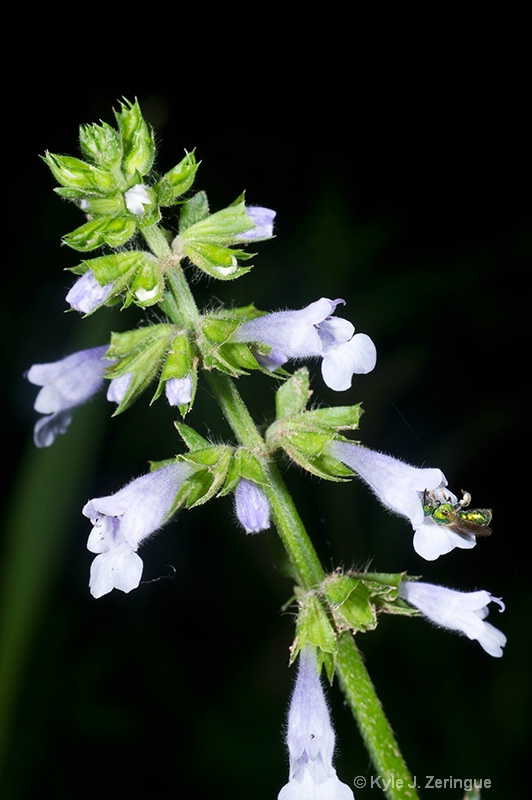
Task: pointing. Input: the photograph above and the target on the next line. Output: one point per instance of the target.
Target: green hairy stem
(394, 777)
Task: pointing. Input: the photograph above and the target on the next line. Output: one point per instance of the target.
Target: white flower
(310, 740)
(136, 198)
(252, 507)
(400, 487)
(66, 384)
(121, 523)
(313, 332)
(458, 611)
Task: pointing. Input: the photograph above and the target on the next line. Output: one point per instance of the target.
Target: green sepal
(139, 353)
(314, 628)
(192, 439)
(111, 231)
(293, 395)
(211, 465)
(222, 227)
(217, 261)
(305, 438)
(137, 142)
(100, 144)
(356, 598)
(147, 287)
(73, 173)
(216, 346)
(243, 465)
(193, 210)
(177, 181)
(180, 362)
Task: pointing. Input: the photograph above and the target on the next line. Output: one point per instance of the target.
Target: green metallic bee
(457, 516)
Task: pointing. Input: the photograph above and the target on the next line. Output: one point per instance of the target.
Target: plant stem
(394, 777)
(353, 676)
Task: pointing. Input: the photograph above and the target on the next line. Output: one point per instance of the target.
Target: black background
(408, 194)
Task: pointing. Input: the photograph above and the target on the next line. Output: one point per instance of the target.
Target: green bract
(306, 435)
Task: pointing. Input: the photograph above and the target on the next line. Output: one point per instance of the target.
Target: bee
(457, 516)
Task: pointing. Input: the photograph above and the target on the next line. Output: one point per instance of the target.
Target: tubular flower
(121, 523)
(252, 507)
(459, 611)
(313, 332)
(401, 488)
(310, 739)
(66, 384)
(87, 294)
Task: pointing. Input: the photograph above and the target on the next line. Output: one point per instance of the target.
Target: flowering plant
(150, 233)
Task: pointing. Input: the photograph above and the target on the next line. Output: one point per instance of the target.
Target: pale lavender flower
(400, 487)
(459, 611)
(263, 219)
(87, 294)
(136, 198)
(178, 390)
(118, 387)
(66, 384)
(313, 332)
(122, 521)
(252, 507)
(310, 739)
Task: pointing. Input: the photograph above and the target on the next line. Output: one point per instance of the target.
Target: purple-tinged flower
(459, 611)
(66, 384)
(310, 739)
(87, 294)
(263, 219)
(252, 507)
(122, 521)
(401, 487)
(136, 198)
(118, 387)
(313, 332)
(178, 390)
